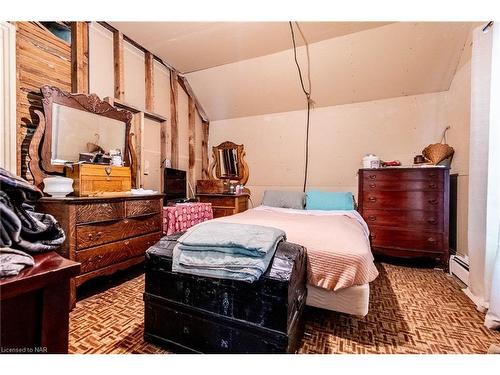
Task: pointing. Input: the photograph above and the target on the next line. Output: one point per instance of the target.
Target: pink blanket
(338, 249)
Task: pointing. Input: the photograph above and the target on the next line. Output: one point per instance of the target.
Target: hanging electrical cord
(307, 94)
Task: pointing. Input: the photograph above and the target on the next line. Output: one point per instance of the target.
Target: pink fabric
(182, 216)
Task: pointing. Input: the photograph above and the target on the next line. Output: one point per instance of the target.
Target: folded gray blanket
(12, 261)
(246, 239)
(226, 250)
(221, 265)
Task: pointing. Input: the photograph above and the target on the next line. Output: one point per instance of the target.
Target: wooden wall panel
(174, 134)
(191, 143)
(204, 151)
(119, 65)
(149, 81)
(80, 57)
(41, 59)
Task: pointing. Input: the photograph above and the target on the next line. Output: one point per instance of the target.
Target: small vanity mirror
(75, 132)
(228, 162)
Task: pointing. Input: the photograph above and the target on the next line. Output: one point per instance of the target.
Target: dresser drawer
(219, 201)
(406, 239)
(142, 207)
(429, 174)
(104, 255)
(89, 235)
(416, 219)
(221, 212)
(403, 200)
(402, 185)
(95, 212)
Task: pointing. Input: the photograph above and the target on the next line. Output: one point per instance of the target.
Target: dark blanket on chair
(20, 226)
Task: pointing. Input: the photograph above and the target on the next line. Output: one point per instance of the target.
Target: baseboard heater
(459, 266)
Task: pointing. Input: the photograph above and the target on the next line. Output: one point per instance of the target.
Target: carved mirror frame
(242, 165)
(40, 150)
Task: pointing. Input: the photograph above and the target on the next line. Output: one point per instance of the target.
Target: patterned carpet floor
(412, 310)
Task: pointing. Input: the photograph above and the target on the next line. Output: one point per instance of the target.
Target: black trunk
(208, 315)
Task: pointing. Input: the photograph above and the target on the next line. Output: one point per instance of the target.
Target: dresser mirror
(75, 131)
(74, 124)
(228, 163)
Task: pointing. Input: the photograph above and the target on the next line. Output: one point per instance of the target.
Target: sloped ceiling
(361, 62)
(191, 46)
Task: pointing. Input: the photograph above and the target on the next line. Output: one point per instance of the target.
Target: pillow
(284, 199)
(323, 200)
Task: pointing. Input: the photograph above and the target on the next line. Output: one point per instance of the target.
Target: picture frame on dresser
(407, 211)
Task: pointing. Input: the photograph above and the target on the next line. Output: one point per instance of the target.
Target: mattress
(337, 243)
(353, 300)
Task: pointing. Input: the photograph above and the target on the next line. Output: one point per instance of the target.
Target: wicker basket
(437, 152)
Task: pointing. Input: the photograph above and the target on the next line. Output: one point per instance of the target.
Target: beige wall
(101, 78)
(458, 101)
(134, 76)
(396, 128)
(151, 178)
(340, 136)
(101, 70)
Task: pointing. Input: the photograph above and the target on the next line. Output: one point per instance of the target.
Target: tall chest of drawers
(407, 211)
(105, 234)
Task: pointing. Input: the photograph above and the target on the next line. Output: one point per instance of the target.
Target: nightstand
(225, 204)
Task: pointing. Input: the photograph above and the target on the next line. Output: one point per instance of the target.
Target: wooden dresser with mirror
(228, 168)
(109, 231)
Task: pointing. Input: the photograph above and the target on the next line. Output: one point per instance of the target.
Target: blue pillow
(323, 200)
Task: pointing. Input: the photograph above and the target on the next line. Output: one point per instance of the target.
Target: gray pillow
(284, 199)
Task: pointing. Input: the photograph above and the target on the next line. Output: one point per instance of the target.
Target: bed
(340, 263)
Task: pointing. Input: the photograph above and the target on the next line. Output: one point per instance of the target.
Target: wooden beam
(204, 151)
(80, 57)
(138, 130)
(148, 65)
(164, 150)
(192, 144)
(174, 132)
(118, 64)
(183, 82)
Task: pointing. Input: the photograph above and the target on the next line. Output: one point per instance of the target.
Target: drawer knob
(373, 236)
(431, 240)
(372, 218)
(433, 201)
(432, 221)
(432, 186)
(127, 243)
(185, 330)
(372, 199)
(372, 176)
(373, 185)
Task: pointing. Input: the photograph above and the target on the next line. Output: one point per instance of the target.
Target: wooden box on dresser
(105, 234)
(407, 211)
(225, 204)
